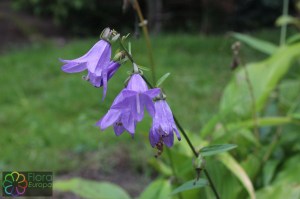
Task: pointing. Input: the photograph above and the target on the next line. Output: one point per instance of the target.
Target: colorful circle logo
(14, 184)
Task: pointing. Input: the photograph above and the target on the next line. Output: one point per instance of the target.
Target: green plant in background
(265, 164)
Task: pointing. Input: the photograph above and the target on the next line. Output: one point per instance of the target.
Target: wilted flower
(137, 97)
(163, 126)
(121, 119)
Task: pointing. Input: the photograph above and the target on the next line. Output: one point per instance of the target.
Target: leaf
(144, 68)
(158, 189)
(286, 20)
(269, 171)
(287, 176)
(260, 45)
(215, 149)
(91, 189)
(190, 185)
(162, 79)
(264, 77)
(239, 172)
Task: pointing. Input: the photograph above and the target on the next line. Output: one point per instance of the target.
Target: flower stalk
(147, 37)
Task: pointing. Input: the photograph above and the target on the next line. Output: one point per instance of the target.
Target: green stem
(126, 51)
(186, 137)
(146, 35)
(211, 184)
(251, 91)
(285, 11)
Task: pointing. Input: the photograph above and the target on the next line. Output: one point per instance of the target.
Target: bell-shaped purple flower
(97, 62)
(137, 97)
(121, 119)
(163, 125)
(97, 58)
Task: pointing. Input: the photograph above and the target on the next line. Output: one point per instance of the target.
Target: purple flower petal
(118, 129)
(169, 140)
(74, 67)
(136, 83)
(128, 93)
(128, 122)
(148, 103)
(177, 133)
(153, 92)
(109, 118)
(153, 137)
(104, 80)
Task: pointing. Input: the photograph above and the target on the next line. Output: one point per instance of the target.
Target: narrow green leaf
(258, 44)
(190, 185)
(144, 68)
(215, 149)
(91, 189)
(239, 172)
(158, 189)
(162, 79)
(260, 122)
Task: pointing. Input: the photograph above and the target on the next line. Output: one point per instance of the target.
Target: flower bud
(106, 34)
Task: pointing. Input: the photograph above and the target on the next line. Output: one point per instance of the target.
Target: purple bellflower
(97, 62)
(137, 97)
(128, 107)
(163, 125)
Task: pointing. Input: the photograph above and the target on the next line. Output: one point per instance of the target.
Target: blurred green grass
(47, 117)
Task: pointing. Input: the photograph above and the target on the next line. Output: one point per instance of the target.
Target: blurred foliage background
(47, 117)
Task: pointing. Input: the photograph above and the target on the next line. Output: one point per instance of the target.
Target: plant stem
(251, 91)
(126, 52)
(186, 137)
(147, 38)
(238, 59)
(285, 11)
(211, 184)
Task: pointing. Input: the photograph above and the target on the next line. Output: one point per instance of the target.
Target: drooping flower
(97, 61)
(137, 97)
(121, 119)
(97, 58)
(128, 107)
(163, 125)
